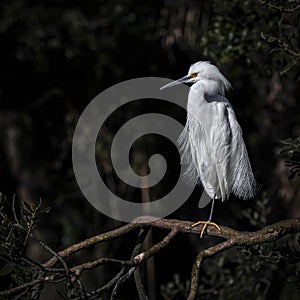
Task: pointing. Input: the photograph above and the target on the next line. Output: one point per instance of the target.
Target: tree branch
(231, 238)
(267, 234)
(91, 241)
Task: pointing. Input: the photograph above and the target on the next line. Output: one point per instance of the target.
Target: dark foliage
(56, 56)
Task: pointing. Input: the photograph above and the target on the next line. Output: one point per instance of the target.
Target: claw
(205, 225)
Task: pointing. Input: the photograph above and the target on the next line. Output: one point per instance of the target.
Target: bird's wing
(240, 172)
(230, 153)
(196, 151)
(220, 139)
(189, 152)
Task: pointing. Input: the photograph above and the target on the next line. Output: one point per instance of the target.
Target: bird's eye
(193, 75)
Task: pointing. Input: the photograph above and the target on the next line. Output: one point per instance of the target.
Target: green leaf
(289, 141)
(292, 279)
(269, 39)
(46, 209)
(17, 278)
(289, 66)
(6, 270)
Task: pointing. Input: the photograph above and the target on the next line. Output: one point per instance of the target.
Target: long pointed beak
(180, 80)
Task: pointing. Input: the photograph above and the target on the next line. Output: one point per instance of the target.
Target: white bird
(212, 145)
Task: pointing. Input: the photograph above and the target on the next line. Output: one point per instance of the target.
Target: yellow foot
(205, 225)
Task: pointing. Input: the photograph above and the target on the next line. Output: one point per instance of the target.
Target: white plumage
(212, 145)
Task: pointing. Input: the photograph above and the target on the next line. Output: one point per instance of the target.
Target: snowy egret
(212, 145)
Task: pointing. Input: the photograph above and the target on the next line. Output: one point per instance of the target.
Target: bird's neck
(200, 93)
(207, 87)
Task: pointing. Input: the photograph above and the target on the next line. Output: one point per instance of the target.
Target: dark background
(56, 56)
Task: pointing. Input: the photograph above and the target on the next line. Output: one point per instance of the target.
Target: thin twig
(280, 7)
(121, 281)
(95, 294)
(41, 243)
(133, 270)
(137, 273)
(57, 256)
(82, 289)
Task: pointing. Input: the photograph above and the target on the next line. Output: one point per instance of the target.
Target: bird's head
(202, 70)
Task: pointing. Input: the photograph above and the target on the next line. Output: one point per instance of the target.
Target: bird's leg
(208, 222)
